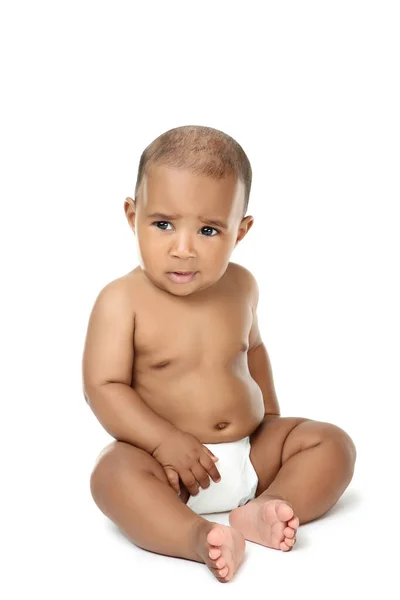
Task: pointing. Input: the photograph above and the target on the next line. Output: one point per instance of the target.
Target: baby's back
(190, 356)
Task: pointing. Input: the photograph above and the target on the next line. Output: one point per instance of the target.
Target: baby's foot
(222, 549)
(269, 521)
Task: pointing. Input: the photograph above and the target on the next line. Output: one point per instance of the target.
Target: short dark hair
(201, 150)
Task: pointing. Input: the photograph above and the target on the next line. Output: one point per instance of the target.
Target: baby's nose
(183, 247)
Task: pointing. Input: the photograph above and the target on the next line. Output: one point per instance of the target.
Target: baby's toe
(290, 542)
(288, 532)
(284, 512)
(283, 546)
(214, 553)
(295, 523)
(216, 537)
(220, 573)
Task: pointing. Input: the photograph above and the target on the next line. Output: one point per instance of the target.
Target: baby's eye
(163, 223)
(211, 228)
(157, 223)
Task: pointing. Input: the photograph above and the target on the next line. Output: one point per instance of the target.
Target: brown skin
(188, 334)
(200, 364)
(185, 246)
(191, 366)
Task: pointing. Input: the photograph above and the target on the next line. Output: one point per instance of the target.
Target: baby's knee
(120, 460)
(104, 467)
(344, 437)
(344, 444)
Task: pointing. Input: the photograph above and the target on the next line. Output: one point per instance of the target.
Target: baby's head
(191, 197)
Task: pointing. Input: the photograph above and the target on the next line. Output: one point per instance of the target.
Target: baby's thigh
(267, 444)
(122, 459)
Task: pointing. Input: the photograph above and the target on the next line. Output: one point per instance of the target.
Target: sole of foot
(270, 522)
(222, 549)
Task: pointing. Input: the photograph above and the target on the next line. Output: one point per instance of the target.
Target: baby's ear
(130, 212)
(129, 205)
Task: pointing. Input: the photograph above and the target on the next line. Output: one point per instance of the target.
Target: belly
(214, 407)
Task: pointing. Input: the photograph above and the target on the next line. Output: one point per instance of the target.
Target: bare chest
(194, 336)
(190, 361)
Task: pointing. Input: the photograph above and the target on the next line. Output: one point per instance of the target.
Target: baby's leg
(130, 487)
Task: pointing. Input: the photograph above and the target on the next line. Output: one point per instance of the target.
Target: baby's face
(170, 222)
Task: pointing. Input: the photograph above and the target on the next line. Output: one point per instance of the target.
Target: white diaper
(238, 479)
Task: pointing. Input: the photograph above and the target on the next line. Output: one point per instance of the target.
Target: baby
(175, 369)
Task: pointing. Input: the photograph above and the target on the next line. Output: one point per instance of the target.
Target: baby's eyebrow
(216, 222)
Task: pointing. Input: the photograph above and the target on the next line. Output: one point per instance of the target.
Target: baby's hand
(182, 455)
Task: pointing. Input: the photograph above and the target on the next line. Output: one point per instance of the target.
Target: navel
(221, 425)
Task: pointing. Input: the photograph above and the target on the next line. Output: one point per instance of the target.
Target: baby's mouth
(182, 277)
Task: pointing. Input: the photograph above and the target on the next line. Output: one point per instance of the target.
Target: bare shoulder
(114, 306)
(116, 293)
(121, 291)
(246, 280)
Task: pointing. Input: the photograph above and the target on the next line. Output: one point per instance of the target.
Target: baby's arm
(107, 372)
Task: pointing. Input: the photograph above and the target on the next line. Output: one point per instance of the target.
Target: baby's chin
(193, 288)
(182, 290)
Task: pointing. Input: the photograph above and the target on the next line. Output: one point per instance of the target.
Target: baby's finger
(209, 465)
(215, 458)
(173, 479)
(201, 475)
(190, 482)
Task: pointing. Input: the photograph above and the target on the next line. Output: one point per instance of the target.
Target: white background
(311, 92)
